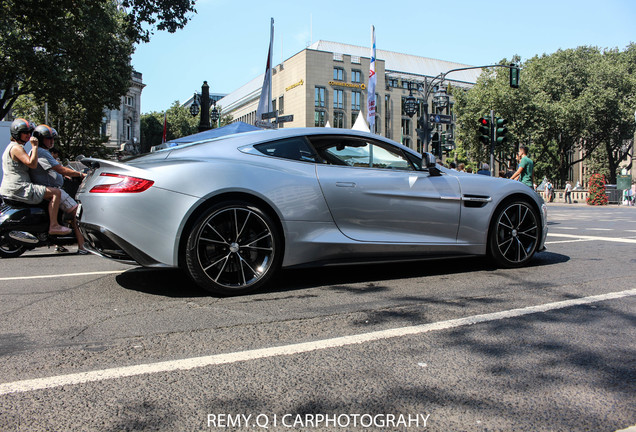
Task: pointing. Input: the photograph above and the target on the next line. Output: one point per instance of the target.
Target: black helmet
(44, 131)
(20, 125)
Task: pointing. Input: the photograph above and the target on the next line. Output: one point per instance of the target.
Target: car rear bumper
(105, 243)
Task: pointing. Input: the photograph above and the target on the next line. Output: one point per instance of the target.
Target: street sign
(264, 124)
(283, 119)
(624, 182)
(269, 115)
(440, 118)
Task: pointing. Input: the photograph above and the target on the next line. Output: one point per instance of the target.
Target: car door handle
(345, 184)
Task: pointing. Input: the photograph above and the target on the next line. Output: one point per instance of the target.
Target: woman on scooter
(16, 183)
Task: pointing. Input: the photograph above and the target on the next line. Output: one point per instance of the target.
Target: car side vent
(476, 201)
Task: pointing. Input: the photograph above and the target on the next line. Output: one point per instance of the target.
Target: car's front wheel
(514, 234)
(234, 247)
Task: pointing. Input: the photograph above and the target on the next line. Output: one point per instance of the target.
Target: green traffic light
(514, 76)
(501, 130)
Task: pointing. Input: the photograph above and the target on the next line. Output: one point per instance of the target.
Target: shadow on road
(175, 283)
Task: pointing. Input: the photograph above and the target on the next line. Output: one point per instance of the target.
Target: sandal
(83, 252)
(60, 231)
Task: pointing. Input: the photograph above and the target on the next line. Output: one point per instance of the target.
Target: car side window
(361, 153)
(293, 148)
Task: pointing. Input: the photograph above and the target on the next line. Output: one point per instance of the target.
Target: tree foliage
(179, 123)
(575, 101)
(76, 55)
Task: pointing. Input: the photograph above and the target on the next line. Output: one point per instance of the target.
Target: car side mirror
(430, 164)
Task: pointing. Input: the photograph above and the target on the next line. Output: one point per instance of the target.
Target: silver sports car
(233, 210)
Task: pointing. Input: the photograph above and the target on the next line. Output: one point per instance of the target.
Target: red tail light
(127, 184)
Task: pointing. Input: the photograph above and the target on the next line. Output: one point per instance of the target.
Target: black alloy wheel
(234, 248)
(514, 234)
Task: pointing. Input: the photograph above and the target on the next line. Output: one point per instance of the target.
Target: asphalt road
(451, 345)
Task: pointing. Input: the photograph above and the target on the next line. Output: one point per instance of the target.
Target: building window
(355, 100)
(355, 59)
(387, 116)
(128, 129)
(377, 103)
(356, 76)
(338, 99)
(281, 105)
(130, 101)
(338, 119)
(319, 119)
(377, 124)
(338, 74)
(354, 117)
(406, 141)
(406, 127)
(319, 99)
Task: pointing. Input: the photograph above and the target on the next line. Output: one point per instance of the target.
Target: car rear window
(293, 148)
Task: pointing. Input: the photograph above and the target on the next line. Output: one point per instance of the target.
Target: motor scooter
(26, 226)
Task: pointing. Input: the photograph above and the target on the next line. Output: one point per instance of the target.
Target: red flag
(163, 137)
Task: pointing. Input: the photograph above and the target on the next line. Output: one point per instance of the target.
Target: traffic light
(500, 131)
(514, 76)
(436, 145)
(484, 130)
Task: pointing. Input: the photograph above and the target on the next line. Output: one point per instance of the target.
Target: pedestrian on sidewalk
(568, 192)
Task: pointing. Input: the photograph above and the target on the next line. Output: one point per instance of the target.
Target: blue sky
(226, 42)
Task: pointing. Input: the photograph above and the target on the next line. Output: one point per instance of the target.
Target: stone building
(326, 85)
(122, 126)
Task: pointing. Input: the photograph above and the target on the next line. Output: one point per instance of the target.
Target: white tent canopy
(361, 123)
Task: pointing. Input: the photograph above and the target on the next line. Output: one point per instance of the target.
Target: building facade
(122, 126)
(326, 85)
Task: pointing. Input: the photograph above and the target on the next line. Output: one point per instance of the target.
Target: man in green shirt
(525, 172)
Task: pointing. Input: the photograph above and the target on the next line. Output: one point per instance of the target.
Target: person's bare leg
(53, 196)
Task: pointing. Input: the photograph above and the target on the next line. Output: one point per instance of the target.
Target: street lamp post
(201, 104)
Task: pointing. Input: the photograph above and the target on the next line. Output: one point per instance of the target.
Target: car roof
(256, 137)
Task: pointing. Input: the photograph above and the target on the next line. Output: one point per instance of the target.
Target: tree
(78, 51)
(575, 101)
(76, 57)
(179, 123)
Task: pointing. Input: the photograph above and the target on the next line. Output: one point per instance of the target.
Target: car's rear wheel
(514, 234)
(233, 248)
(8, 249)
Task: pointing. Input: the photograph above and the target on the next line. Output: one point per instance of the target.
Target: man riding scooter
(50, 172)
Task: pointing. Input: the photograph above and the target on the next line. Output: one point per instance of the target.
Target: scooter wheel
(8, 249)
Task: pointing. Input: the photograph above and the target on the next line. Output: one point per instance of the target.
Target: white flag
(371, 89)
(265, 103)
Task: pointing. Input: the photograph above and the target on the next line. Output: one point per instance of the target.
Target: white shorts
(67, 204)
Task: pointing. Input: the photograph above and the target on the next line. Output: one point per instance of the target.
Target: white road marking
(567, 241)
(60, 275)
(610, 239)
(218, 359)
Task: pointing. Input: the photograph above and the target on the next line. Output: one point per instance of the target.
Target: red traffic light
(483, 121)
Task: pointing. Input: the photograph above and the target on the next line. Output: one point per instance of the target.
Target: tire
(514, 234)
(233, 248)
(9, 249)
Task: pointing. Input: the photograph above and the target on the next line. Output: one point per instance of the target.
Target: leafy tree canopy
(76, 55)
(574, 101)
